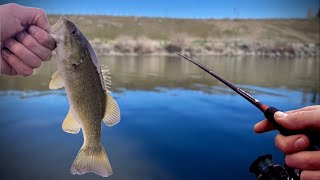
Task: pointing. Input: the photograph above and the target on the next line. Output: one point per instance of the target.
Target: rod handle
(313, 136)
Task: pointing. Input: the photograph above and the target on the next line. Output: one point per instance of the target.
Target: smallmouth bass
(87, 86)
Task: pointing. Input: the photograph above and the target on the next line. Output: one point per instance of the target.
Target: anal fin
(70, 125)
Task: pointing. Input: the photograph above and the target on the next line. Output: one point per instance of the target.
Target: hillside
(139, 35)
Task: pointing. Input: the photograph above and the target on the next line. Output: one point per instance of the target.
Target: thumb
(33, 16)
(299, 120)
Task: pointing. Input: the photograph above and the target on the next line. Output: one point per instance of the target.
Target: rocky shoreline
(145, 46)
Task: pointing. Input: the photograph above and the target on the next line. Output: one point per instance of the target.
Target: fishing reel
(264, 168)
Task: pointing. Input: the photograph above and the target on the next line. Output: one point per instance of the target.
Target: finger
(263, 126)
(5, 68)
(307, 108)
(25, 55)
(42, 37)
(32, 16)
(310, 175)
(29, 42)
(299, 120)
(305, 160)
(292, 144)
(16, 63)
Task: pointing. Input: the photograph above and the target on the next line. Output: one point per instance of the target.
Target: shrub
(179, 43)
(143, 45)
(124, 44)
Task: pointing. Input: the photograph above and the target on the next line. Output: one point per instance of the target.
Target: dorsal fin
(106, 78)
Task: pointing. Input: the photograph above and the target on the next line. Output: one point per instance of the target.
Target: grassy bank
(137, 35)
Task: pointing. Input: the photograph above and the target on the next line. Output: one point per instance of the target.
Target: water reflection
(177, 121)
(150, 72)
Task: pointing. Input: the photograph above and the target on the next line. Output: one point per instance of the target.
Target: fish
(87, 85)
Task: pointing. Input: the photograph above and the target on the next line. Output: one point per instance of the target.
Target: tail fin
(92, 160)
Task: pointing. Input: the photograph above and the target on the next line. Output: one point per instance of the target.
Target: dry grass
(111, 27)
(140, 45)
(136, 35)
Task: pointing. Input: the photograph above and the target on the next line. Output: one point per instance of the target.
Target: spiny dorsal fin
(112, 113)
(56, 81)
(105, 72)
(70, 125)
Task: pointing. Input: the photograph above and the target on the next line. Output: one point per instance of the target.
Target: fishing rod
(267, 110)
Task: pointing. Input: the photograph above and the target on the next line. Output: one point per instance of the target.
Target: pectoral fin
(112, 113)
(56, 81)
(70, 125)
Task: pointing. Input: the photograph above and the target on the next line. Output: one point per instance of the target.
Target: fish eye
(73, 32)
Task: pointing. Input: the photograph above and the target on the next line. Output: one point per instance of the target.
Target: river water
(177, 122)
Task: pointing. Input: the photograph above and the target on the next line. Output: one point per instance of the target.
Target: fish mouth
(57, 27)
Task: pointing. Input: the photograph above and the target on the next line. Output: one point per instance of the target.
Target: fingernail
(32, 30)
(8, 43)
(300, 143)
(5, 53)
(20, 35)
(280, 114)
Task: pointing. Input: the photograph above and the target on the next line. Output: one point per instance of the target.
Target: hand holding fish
(25, 41)
(295, 146)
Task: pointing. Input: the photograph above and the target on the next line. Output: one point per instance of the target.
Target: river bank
(124, 35)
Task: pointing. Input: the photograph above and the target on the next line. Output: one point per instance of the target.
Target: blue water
(203, 132)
